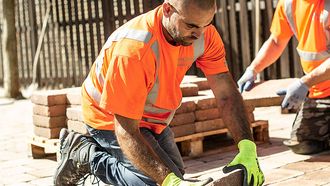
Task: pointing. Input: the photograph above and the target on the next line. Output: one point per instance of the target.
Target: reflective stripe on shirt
(308, 55)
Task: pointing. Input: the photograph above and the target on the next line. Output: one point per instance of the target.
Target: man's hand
(173, 180)
(247, 80)
(295, 94)
(247, 160)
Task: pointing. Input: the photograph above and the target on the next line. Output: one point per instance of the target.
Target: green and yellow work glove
(172, 180)
(247, 160)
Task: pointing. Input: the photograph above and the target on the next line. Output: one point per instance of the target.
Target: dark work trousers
(312, 121)
(112, 167)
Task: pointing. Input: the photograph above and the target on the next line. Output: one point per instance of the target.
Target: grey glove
(295, 94)
(245, 83)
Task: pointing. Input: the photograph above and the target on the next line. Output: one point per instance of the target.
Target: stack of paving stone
(74, 111)
(198, 112)
(49, 115)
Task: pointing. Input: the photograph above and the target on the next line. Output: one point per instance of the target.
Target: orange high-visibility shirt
(309, 22)
(138, 73)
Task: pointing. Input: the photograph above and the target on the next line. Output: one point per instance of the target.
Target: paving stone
(189, 89)
(43, 181)
(21, 184)
(186, 106)
(264, 94)
(184, 118)
(192, 162)
(73, 96)
(208, 125)
(183, 130)
(49, 122)
(74, 113)
(50, 133)
(56, 110)
(231, 179)
(295, 182)
(280, 174)
(320, 177)
(16, 179)
(41, 164)
(49, 97)
(77, 126)
(306, 166)
(42, 173)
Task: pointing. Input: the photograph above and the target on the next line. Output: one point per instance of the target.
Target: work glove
(172, 180)
(247, 160)
(295, 94)
(247, 80)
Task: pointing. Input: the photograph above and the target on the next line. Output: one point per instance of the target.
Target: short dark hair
(203, 4)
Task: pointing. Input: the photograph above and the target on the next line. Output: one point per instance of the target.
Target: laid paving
(280, 165)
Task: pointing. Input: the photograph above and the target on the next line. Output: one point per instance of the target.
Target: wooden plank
(236, 71)
(67, 79)
(221, 22)
(106, 28)
(42, 56)
(49, 145)
(86, 51)
(244, 31)
(208, 133)
(55, 46)
(297, 68)
(98, 27)
(33, 27)
(284, 65)
(120, 17)
(72, 48)
(60, 62)
(49, 50)
(79, 44)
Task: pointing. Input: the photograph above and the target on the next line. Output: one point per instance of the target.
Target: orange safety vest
(308, 21)
(138, 73)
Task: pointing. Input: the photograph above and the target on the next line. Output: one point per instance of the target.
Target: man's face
(188, 24)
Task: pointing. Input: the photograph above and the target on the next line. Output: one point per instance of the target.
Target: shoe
(75, 150)
(307, 146)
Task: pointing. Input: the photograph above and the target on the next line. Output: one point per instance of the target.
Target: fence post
(108, 17)
(33, 34)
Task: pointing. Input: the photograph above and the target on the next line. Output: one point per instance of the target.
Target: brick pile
(198, 111)
(49, 113)
(74, 112)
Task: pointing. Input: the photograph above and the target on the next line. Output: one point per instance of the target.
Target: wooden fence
(76, 30)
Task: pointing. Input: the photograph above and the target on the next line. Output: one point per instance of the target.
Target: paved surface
(281, 166)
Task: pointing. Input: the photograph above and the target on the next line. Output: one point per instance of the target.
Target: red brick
(183, 130)
(74, 113)
(189, 89)
(202, 83)
(49, 97)
(186, 106)
(50, 133)
(184, 118)
(49, 122)
(73, 96)
(56, 110)
(207, 114)
(203, 126)
(77, 126)
(188, 78)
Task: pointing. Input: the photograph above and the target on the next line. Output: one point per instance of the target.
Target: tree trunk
(9, 50)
